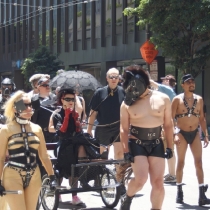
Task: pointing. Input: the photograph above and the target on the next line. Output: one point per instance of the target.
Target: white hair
(112, 70)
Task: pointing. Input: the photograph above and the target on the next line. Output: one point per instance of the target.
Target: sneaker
(76, 200)
(170, 178)
(167, 175)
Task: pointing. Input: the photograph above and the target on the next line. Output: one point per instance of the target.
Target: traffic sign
(148, 51)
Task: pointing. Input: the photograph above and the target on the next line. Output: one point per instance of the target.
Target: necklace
(189, 98)
(112, 91)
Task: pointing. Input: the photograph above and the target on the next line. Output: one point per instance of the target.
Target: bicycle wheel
(111, 195)
(49, 198)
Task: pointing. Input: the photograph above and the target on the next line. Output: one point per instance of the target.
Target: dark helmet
(7, 87)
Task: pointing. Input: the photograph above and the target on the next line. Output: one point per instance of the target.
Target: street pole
(147, 38)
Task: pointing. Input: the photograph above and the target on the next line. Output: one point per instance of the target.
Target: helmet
(7, 87)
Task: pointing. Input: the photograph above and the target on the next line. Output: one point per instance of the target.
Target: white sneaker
(170, 179)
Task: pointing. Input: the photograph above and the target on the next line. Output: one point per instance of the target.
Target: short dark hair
(64, 92)
(134, 69)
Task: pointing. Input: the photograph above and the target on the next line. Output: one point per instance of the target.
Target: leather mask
(136, 87)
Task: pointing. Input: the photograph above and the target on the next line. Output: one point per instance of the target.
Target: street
(142, 199)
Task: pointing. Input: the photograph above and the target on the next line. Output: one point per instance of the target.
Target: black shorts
(109, 134)
(141, 150)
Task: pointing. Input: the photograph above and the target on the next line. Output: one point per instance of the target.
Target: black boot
(179, 196)
(203, 200)
(126, 203)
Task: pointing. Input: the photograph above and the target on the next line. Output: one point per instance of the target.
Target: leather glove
(128, 157)
(53, 182)
(64, 126)
(168, 153)
(2, 189)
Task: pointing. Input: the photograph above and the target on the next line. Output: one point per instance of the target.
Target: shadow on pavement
(187, 206)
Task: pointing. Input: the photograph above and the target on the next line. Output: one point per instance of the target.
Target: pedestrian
(187, 109)
(167, 87)
(33, 80)
(105, 107)
(66, 123)
(42, 114)
(24, 142)
(142, 115)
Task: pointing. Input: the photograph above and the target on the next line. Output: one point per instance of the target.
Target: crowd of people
(145, 121)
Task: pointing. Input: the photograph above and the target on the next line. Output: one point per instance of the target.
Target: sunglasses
(28, 105)
(44, 85)
(113, 77)
(68, 99)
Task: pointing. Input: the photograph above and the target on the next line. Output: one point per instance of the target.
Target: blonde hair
(9, 111)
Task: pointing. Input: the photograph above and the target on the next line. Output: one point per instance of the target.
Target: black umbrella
(75, 79)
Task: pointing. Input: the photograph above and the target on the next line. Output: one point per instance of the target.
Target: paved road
(142, 199)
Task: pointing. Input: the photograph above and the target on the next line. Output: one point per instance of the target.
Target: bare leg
(81, 152)
(181, 152)
(172, 165)
(118, 150)
(196, 149)
(140, 169)
(156, 171)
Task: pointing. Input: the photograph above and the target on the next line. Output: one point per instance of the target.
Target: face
(165, 82)
(28, 112)
(6, 90)
(68, 101)
(112, 79)
(189, 85)
(44, 88)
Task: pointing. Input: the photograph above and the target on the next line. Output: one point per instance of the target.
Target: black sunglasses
(113, 77)
(68, 99)
(28, 105)
(45, 85)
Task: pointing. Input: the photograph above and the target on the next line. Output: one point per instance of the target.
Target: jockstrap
(146, 137)
(189, 111)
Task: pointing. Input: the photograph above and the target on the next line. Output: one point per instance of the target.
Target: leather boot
(203, 200)
(126, 202)
(179, 197)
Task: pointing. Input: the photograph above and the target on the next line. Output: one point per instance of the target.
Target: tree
(180, 28)
(41, 61)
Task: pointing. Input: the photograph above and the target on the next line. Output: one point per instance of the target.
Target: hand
(206, 141)
(168, 153)
(53, 182)
(67, 112)
(2, 189)
(90, 132)
(128, 157)
(177, 140)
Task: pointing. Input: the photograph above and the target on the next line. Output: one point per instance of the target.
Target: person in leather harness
(24, 142)
(187, 109)
(144, 112)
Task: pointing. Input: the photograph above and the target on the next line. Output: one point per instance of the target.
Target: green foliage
(181, 28)
(79, 14)
(41, 61)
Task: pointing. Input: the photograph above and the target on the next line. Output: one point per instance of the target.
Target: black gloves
(53, 182)
(2, 189)
(168, 153)
(128, 157)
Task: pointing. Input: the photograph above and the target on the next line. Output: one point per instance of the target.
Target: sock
(178, 184)
(200, 185)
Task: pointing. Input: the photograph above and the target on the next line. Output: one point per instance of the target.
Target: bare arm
(51, 127)
(43, 155)
(3, 149)
(168, 124)
(91, 120)
(154, 84)
(202, 120)
(124, 127)
(84, 113)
